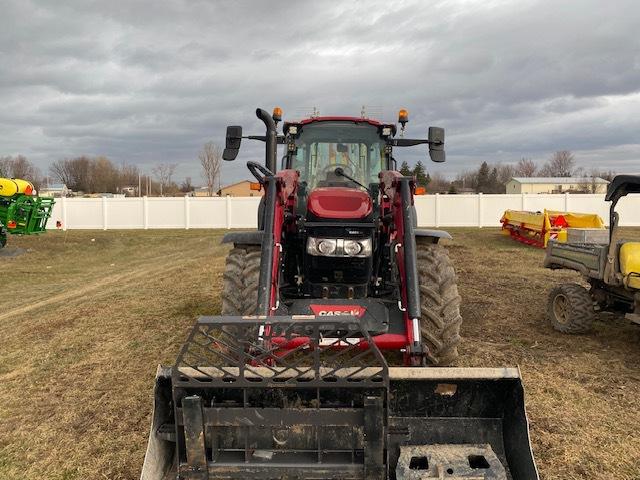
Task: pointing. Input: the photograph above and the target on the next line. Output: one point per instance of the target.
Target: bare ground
(86, 317)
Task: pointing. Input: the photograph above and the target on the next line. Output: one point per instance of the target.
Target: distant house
(54, 190)
(239, 189)
(557, 185)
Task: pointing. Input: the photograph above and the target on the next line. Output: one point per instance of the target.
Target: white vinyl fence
(241, 212)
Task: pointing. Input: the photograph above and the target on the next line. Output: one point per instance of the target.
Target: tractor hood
(339, 203)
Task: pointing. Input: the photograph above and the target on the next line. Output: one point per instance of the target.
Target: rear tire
(440, 303)
(240, 280)
(570, 308)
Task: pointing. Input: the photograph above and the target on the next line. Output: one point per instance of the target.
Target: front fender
(436, 235)
(243, 238)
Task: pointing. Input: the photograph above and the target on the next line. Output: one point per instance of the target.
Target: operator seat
(630, 264)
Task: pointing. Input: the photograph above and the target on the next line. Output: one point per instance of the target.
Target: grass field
(86, 317)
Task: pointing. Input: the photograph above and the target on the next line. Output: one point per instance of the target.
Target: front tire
(240, 280)
(570, 308)
(440, 303)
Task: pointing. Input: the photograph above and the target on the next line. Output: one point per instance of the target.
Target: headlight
(352, 247)
(339, 247)
(327, 247)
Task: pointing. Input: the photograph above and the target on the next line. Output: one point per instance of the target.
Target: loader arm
(280, 200)
(397, 201)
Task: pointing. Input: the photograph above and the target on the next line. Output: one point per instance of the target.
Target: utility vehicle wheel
(240, 280)
(3, 236)
(570, 308)
(440, 303)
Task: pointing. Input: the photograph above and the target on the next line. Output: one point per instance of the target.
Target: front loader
(297, 377)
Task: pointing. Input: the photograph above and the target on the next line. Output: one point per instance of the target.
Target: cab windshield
(323, 147)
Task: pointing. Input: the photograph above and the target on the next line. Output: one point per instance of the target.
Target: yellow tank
(12, 186)
(630, 264)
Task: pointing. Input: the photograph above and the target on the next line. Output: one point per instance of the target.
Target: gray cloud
(145, 82)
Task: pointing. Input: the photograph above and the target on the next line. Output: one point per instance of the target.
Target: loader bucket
(236, 406)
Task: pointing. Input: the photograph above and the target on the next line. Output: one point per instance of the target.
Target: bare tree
(525, 168)
(589, 183)
(5, 166)
(561, 164)
(606, 174)
(105, 176)
(75, 173)
(505, 173)
(20, 167)
(467, 179)
(61, 171)
(186, 186)
(438, 183)
(163, 173)
(210, 158)
(129, 175)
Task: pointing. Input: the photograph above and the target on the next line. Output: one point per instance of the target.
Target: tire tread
(440, 303)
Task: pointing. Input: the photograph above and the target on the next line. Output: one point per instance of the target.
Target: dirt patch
(89, 315)
(10, 252)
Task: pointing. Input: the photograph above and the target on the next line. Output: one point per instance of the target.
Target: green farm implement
(21, 213)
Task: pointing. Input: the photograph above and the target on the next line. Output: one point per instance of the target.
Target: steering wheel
(256, 169)
(332, 169)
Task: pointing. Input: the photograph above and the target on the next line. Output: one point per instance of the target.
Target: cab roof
(622, 185)
(370, 121)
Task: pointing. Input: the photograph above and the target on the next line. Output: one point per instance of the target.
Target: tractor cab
(344, 154)
(355, 146)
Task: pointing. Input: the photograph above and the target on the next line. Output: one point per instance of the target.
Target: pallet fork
(241, 405)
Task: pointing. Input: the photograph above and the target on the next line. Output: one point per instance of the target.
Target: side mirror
(232, 143)
(436, 144)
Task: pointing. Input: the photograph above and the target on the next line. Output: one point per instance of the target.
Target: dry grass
(84, 322)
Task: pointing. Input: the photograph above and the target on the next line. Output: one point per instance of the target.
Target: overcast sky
(151, 82)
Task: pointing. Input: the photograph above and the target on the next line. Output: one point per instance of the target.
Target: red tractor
(291, 381)
(338, 236)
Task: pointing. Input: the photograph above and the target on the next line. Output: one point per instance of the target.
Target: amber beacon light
(277, 114)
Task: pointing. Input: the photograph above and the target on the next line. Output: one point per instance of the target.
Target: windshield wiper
(340, 173)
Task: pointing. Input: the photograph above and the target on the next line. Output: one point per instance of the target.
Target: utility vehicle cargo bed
(588, 259)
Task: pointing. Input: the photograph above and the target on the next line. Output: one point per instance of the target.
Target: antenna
(372, 111)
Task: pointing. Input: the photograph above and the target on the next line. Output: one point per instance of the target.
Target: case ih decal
(335, 310)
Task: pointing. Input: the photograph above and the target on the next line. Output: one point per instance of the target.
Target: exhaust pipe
(272, 139)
